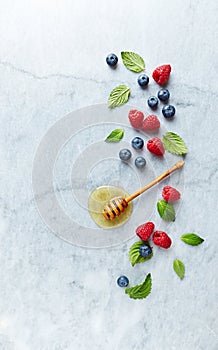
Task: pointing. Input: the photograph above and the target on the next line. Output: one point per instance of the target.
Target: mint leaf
(115, 135)
(133, 61)
(134, 254)
(118, 96)
(140, 291)
(174, 144)
(166, 210)
(179, 268)
(192, 239)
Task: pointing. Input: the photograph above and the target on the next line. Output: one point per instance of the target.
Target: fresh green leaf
(179, 268)
(115, 135)
(166, 210)
(192, 239)
(140, 291)
(118, 96)
(174, 144)
(133, 61)
(134, 253)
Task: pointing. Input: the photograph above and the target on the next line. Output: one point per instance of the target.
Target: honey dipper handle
(178, 165)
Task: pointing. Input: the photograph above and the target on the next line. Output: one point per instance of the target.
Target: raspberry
(144, 231)
(150, 123)
(170, 194)
(155, 146)
(161, 74)
(135, 118)
(161, 239)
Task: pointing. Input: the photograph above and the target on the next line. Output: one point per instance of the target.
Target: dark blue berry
(163, 94)
(152, 101)
(143, 80)
(122, 281)
(137, 143)
(168, 111)
(112, 60)
(125, 154)
(145, 250)
(140, 162)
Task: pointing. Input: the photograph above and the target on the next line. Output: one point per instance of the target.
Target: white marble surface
(54, 296)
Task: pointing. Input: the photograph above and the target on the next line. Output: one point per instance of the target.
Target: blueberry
(122, 281)
(168, 111)
(125, 154)
(137, 143)
(152, 101)
(163, 94)
(112, 60)
(143, 80)
(140, 162)
(145, 250)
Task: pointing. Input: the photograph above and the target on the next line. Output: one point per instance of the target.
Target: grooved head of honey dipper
(114, 208)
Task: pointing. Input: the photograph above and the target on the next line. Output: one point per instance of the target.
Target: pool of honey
(101, 196)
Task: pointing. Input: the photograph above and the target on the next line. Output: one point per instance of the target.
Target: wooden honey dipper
(117, 205)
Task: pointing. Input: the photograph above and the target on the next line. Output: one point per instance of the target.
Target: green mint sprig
(192, 239)
(134, 253)
(142, 290)
(118, 96)
(179, 268)
(173, 143)
(115, 136)
(133, 61)
(166, 210)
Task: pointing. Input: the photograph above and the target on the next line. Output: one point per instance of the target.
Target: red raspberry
(161, 239)
(161, 74)
(155, 146)
(144, 231)
(150, 123)
(135, 118)
(170, 194)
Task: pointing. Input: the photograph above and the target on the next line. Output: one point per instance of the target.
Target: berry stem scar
(117, 205)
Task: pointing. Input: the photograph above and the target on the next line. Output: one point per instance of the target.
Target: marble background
(54, 296)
